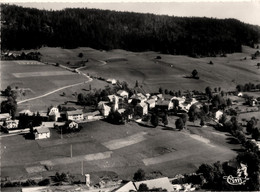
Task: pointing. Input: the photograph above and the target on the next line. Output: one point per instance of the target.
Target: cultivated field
(118, 149)
(167, 72)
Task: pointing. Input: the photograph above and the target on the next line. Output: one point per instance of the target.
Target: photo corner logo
(241, 177)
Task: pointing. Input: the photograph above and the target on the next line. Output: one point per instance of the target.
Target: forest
(30, 28)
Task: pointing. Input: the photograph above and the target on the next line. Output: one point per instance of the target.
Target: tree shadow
(168, 129)
(145, 125)
(194, 126)
(239, 150)
(232, 140)
(28, 136)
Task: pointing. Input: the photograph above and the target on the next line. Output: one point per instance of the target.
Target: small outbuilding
(123, 93)
(112, 81)
(5, 116)
(41, 133)
(75, 115)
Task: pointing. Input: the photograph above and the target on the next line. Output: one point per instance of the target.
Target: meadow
(118, 149)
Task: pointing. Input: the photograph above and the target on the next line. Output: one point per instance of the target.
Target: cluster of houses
(144, 103)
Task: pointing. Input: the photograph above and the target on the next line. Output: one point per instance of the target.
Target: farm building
(160, 96)
(5, 116)
(103, 108)
(12, 124)
(141, 109)
(163, 183)
(112, 81)
(91, 115)
(127, 187)
(218, 114)
(26, 112)
(139, 96)
(154, 97)
(41, 133)
(54, 114)
(73, 125)
(74, 115)
(151, 103)
(164, 104)
(123, 93)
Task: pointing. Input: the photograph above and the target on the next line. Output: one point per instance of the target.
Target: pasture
(167, 72)
(120, 149)
(39, 79)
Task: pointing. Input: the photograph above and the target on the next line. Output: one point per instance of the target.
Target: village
(118, 104)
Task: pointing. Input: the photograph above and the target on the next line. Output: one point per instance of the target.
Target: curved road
(46, 94)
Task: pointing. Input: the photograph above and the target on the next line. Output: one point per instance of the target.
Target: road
(59, 89)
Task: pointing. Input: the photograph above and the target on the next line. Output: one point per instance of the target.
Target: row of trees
(102, 29)
(247, 87)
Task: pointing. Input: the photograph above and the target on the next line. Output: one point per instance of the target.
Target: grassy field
(118, 149)
(39, 79)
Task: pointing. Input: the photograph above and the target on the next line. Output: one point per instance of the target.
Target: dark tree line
(102, 29)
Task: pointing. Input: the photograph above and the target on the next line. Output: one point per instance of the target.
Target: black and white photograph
(129, 96)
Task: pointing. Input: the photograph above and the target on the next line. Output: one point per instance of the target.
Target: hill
(26, 28)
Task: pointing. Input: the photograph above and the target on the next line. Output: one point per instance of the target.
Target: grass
(185, 154)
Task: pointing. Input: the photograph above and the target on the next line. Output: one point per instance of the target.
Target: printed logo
(241, 177)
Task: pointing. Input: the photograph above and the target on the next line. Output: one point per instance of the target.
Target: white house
(12, 124)
(75, 115)
(73, 124)
(112, 81)
(54, 114)
(151, 103)
(240, 94)
(123, 93)
(127, 187)
(41, 133)
(218, 114)
(103, 108)
(154, 97)
(5, 116)
(252, 102)
(164, 104)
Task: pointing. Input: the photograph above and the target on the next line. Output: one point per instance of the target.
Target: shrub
(44, 182)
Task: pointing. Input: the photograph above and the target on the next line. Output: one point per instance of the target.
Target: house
(12, 124)
(141, 109)
(240, 94)
(218, 114)
(41, 133)
(151, 103)
(5, 116)
(73, 125)
(154, 97)
(252, 102)
(164, 104)
(26, 112)
(160, 96)
(54, 114)
(112, 81)
(139, 96)
(91, 115)
(127, 187)
(123, 93)
(163, 183)
(74, 115)
(121, 111)
(103, 108)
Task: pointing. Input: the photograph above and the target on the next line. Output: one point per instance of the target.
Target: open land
(121, 149)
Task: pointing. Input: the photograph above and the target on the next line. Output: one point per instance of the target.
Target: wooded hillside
(100, 29)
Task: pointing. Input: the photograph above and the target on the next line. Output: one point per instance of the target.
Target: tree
(143, 187)
(256, 133)
(229, 102)
(205, 108)
(184, 118)
(160, 90)
(251, 125)
(179, 124)
(166, 92)
(165, 120)
(80, 55)
(136, 84)
(9, 106)
(139, 175)
(194, 73)
(208, 92)
(216, 90)
(202, 123)
(154, 120)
